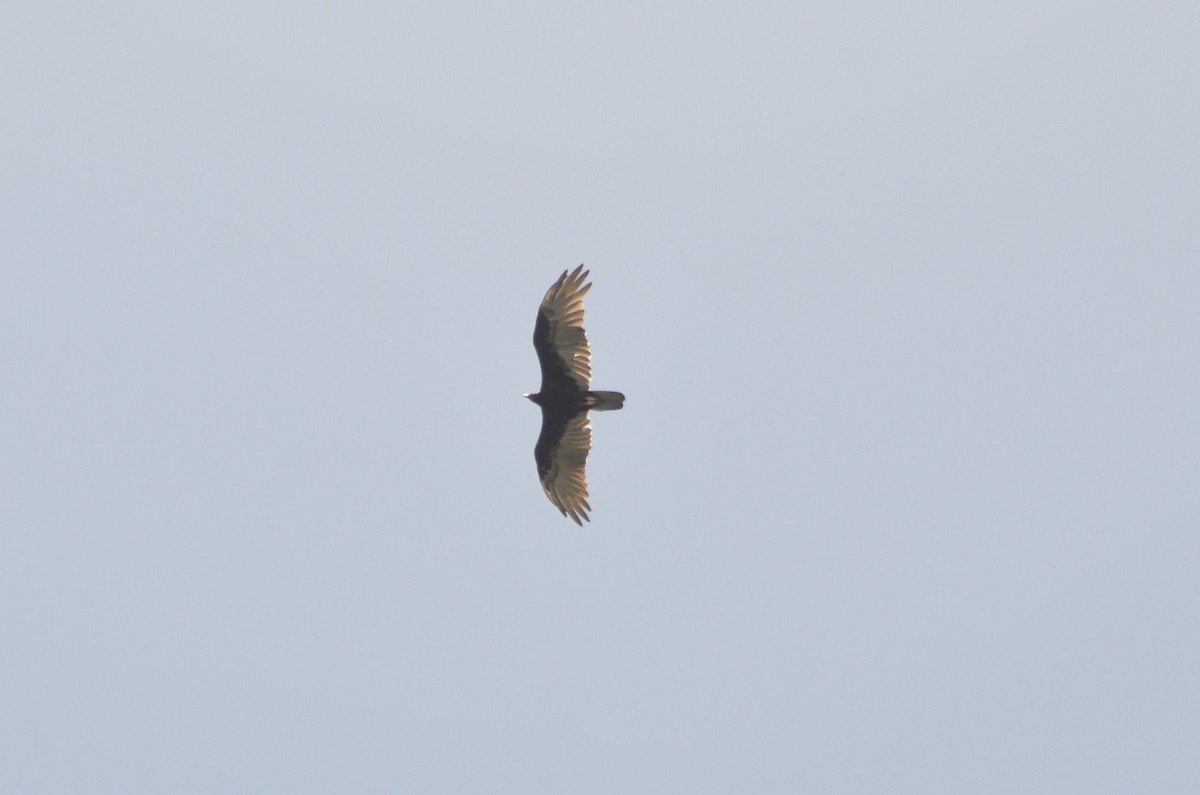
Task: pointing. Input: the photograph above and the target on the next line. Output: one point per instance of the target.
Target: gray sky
(903, 298)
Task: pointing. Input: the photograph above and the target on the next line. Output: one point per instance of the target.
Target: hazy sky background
(903, 297)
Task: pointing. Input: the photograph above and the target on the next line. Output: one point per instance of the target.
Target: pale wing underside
(563, 308)
(566, 481)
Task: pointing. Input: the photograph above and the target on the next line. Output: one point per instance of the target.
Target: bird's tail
(605, 401)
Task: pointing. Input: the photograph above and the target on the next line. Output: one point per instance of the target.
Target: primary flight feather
(566, 361)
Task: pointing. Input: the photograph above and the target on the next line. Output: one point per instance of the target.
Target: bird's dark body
(558, 409)
(560, 398)
(565, 361)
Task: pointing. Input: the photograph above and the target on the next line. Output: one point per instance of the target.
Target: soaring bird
(562, 349)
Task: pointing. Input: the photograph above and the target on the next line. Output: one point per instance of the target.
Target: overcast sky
(903, 297)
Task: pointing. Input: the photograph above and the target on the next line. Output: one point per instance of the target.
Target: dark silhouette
(562, 349)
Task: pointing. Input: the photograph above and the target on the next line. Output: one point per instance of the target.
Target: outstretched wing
(561, 454)
(558, 337)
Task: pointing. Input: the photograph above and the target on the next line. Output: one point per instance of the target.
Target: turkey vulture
(562, 349)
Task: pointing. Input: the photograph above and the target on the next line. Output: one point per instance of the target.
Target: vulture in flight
(562, 349)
